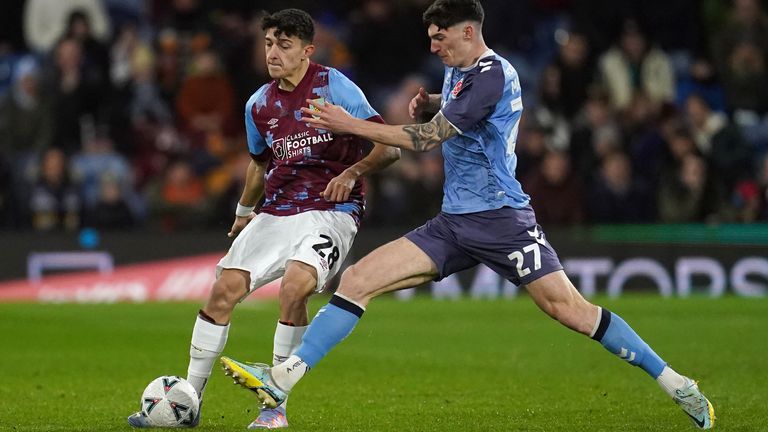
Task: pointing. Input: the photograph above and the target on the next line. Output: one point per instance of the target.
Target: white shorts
(321, 239)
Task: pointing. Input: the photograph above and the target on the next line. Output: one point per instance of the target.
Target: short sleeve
(474, 97)
(349, 96)
(256, 143)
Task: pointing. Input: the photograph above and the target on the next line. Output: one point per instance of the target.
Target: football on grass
(170, 401)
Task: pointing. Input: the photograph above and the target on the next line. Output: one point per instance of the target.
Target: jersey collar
(489, 52)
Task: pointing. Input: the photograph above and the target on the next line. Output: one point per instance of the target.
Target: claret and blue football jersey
(302, 159)
(483, 102)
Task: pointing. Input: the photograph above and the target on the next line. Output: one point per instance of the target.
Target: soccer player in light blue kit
(485, 218)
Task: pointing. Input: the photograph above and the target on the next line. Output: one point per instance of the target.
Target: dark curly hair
(445, 13)
(291, 22)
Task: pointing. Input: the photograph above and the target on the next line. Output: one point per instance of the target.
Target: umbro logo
(539, 236)
(272, 123)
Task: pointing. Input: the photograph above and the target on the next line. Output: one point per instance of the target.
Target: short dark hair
(291, 22)
(445, 13)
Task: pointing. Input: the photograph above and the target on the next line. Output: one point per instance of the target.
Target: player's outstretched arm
(417, 137)
(340, 187)
(252, 193)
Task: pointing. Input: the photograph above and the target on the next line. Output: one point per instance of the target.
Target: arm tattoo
(427, 136)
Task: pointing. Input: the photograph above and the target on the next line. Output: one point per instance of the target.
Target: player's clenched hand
(418, 103)
(340, 187)
(239, 224)
(327, 116)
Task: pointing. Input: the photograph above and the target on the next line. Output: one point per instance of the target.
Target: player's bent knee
(353, 284)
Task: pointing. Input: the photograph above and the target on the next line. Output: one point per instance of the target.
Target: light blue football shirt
(483, 102)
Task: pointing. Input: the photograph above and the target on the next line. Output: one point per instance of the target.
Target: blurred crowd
(129, 113)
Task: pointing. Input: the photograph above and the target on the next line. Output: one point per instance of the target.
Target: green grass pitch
(422, 365)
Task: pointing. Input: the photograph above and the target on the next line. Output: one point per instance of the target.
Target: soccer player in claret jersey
(312, 207)
(485, 218)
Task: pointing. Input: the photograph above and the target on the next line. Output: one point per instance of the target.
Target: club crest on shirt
(457, 88)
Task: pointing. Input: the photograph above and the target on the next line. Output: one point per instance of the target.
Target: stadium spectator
(595, 134)
(720, 141)
(332, 49)
(138, 111)
(690, 196)
(205, 108)
(238, 42)
(556, 191)
(54, 202)
(110, 211)
(45, 21)
(530, 148)
(97, 162)
(741, 52)
(75, 92)
(95, 54)
(701, 79)
(179, 200)
(577, 73)
(550, 111)
(633, 65)
(745, 202)
(26, 116)
(382, 61)
(648, 149)
(615, 196)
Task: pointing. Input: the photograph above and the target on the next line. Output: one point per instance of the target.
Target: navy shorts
(507, 240)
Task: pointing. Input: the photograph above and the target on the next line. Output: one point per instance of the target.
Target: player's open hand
(327, 116)
(340, 187)
(419, 103)
(239, 224)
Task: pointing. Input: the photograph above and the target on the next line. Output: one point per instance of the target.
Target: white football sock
(208, 342)
(669, 380)
(287, 374)
(287, 340)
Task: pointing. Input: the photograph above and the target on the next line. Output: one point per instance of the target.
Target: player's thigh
(552, 288)
(263, 248)
(510, 242)
(325, 238)
(555, 294)
(396, 265)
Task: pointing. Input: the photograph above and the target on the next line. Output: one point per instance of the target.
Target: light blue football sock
(619, 338)
(333, 322)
